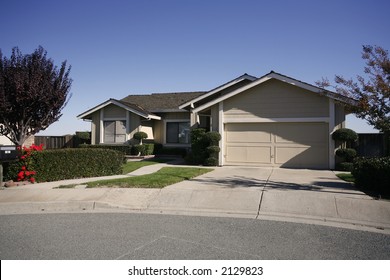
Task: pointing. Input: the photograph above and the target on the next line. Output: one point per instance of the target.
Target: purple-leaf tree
(33, 92)
(372, 92)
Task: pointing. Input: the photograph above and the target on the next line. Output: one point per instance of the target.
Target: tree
(372, 95)
(33, 92)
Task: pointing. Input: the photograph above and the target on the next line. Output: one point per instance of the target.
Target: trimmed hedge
(346, 154)
(372, 174)
(61, 164)
(143, 150)
(344, 135)
(344, 166)
(125, 149)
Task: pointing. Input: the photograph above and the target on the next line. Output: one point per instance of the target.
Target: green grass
(131, 166)
(164, 177)
(346, 177)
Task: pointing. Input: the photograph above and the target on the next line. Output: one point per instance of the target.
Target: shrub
(138, 150)
(346, 154)
(212, 138)
(171, 151)
(198, 146)
(125, 149)
(61, 164)
(140, 135)
(213, 150)
(372, 174)
(148, 150)
(211, 161)
(344, 166)
(345, 135)
(204, 147)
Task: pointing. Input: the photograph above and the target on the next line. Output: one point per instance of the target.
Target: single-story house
(273, 120)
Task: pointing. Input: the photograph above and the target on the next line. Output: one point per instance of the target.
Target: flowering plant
(25, 173)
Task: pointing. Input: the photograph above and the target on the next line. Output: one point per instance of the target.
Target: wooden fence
(371, 145)
(59, 142)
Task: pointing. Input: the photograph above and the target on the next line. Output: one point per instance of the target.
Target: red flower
(32, 180)
(23, 168)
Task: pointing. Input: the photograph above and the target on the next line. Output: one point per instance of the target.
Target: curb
(18, 208)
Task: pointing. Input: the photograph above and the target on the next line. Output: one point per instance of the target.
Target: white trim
(332, 122)
(231, 83)
(271, 120)
(117, 103)
(221, 129)
(261, 80)
(128, 125)
(101, 130)
(114, 119)
(222, 98)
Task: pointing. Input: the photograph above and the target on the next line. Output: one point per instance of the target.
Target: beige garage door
(295, 145)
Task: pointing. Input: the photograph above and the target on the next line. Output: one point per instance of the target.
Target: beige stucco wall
(113, 111)
(339, 116)
(276, 99)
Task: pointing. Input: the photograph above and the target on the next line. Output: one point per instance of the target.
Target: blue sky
(118, 47)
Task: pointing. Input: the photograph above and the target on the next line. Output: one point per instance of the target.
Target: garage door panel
(249, 154)
(299, 145)
(301, 157)
(248, 133)
(304, 134)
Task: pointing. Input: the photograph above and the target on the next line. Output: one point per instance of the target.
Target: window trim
(114, 120)
(165, 132)
(103, 119)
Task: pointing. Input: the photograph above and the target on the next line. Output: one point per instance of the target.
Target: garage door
(295, 145)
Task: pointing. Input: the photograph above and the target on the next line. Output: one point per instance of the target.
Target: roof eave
(217, 89)
(119, 104)
(280, 77)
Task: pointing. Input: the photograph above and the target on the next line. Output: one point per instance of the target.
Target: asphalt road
(147, 236)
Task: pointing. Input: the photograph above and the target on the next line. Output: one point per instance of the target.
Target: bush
(372, 174)
(212, 138)
(125, 149)
(346, 154)
(345, 135)
(140, 135)
(213, 150)
(344, 166)
(211, 161)
(138, 150)
(170, 151)
(148, 150)
(198, 146)
(61, 164)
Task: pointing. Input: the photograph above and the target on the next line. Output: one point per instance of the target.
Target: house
(273, 120)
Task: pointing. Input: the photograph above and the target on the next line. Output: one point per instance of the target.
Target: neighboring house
(273, 120)
(5, 141)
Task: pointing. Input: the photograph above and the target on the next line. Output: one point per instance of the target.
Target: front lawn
(131, 166)
(346, 177)
(164, 177)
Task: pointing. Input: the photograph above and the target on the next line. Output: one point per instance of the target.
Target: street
(147, 236)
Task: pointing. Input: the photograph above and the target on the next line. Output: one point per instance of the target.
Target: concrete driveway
(309, 196)
(275, 193)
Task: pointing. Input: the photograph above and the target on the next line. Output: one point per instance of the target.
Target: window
(178, 133)
(114, 131)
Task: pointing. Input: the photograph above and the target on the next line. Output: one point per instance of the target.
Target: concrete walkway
(305, 196)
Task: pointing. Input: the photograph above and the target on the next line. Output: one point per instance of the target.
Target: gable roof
(280, 77)
(162, 102)
(134, 108)
(218, 90)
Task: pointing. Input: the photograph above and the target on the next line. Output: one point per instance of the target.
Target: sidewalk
(305, 196)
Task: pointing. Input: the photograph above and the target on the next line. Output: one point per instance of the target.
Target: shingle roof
(161, 102)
